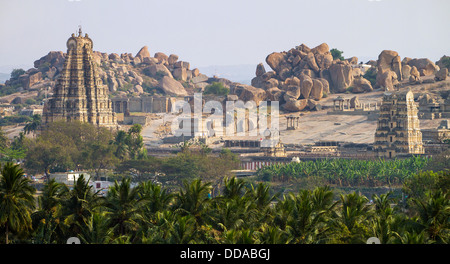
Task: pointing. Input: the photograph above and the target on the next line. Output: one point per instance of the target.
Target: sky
(225, 32)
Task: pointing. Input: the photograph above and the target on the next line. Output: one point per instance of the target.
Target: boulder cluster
(302, 76)
(391, 70)
(123, 74)
(161, 71)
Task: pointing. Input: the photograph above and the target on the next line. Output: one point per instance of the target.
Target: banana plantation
(347, 172)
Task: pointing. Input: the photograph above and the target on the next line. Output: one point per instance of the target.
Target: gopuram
(398, 130)
(79, 93)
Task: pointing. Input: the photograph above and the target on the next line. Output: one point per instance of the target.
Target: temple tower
(79, 93)
(398, 130)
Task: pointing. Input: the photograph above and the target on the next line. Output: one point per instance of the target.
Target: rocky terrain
(124, 74)
(299, 78)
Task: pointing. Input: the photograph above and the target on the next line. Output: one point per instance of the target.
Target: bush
(337, 54)
(216, 88)
(16, 73)
(445, 60)
(15, 119)
(371, 75)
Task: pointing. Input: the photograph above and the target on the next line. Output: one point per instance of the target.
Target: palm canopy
(16, 200)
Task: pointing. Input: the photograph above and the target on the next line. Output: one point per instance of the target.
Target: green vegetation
(216, 88)
(14, 119)
(192, 196)
(346, 172)
(371, 75)
(337, 54)
(445, 60)
(241, 212)
(16, 73)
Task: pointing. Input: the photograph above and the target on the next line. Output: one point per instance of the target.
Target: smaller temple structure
(398, 130)
(292, 122)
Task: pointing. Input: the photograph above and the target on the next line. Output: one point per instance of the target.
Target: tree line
(240, 213)
(65, 146)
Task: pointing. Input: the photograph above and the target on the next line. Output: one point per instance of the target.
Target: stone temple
(398, 130)
(79, 93)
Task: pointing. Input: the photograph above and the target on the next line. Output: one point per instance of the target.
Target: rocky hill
(298, 78)
(301, 77)
(124, 74)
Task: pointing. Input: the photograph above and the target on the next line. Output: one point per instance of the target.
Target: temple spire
(79, 31)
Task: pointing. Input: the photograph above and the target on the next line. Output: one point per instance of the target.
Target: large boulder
(341, 76)
(143, 53)
(31, 79)
(306, 85)
(180, 74)
(295, 105)
(406, 71)
(274, 94)
(293, 91)
(161, 57)
(274, 59)
(324, 60)
(325, 85)
(260, 70)
(258, 82)
(321, 49)
(270, 83)
(414, 76)
(441, 75)
(172, 87)
(388, 80)
(250, 93)
(155, 69)
(311, 60)
(354, 102)
(360, 85)
(389, 60)
(425, 66)
(314, 105)
(317, 90)
(172, 59)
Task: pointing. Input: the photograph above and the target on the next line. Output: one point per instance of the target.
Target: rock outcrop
(122, 73)
(172, 87)
(303, 73)
(425, 66)
(414, 75)
(441, 75)
(361, 85)
(389, 65)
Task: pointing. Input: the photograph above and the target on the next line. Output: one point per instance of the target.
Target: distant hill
(4, 77)
(237, 73)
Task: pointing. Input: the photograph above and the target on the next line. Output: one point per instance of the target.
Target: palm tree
(233, 187)
(193, 198)
(78, 205)
(303, 216)
(124, 206)
(155, 197)
(46, 218)
(32, 126)
(383, 219)
(120, 142)
(434, 215)
(16, 200)
(351, 219)
(97, 230)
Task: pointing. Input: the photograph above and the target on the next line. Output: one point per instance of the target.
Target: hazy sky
(225, 32)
